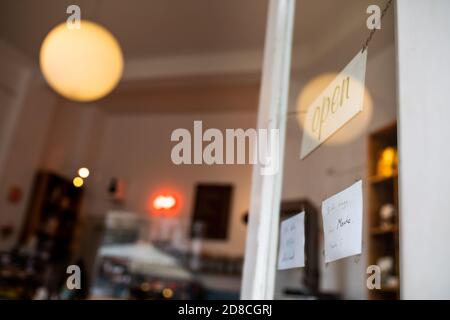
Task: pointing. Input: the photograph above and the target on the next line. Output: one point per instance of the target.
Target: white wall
(73, 136)
(423, 46)
(15, 76)
(26, 106)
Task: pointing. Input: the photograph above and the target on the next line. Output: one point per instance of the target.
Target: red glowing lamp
(164, 202)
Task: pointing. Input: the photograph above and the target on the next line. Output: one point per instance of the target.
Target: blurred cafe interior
(86, 175)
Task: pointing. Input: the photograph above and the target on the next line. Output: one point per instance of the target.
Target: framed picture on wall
(211, 214)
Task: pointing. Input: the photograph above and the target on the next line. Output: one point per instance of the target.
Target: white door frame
(262, 235)
(423, 50)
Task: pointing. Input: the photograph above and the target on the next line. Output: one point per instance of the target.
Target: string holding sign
(338, 103)
(372, 32)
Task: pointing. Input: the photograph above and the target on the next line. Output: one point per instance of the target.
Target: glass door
(360, 150)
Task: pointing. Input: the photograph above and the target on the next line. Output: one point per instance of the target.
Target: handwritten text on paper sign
(341, 100)
(292, 242)
(342, 223)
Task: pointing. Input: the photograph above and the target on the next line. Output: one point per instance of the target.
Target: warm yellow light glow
(353, 128)
(78, 182)
(83, 172)
(387, 163)
(82, 64)
(167, 293)
(145, 287)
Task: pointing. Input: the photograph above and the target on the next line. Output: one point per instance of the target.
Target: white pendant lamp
(83, 64)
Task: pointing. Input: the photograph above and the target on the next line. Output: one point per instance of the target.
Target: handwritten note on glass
(292, 242)
(342, 223)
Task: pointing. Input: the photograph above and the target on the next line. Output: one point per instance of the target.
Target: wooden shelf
(376, 231)
(383, 241)
(386, 289)
(393, 289)
(380, 179)
(54, 198)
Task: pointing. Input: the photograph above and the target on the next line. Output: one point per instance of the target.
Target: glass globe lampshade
(82, 64)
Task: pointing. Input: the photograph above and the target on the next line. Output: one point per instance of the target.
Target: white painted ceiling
(158, 28)
(144, 28)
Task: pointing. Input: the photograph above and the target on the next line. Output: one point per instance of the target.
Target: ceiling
(327, 33)
(145, 28)
(156, 28)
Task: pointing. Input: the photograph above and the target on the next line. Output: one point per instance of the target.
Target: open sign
(341, 100)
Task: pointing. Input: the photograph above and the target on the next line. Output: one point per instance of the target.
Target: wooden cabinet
(52, 217)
